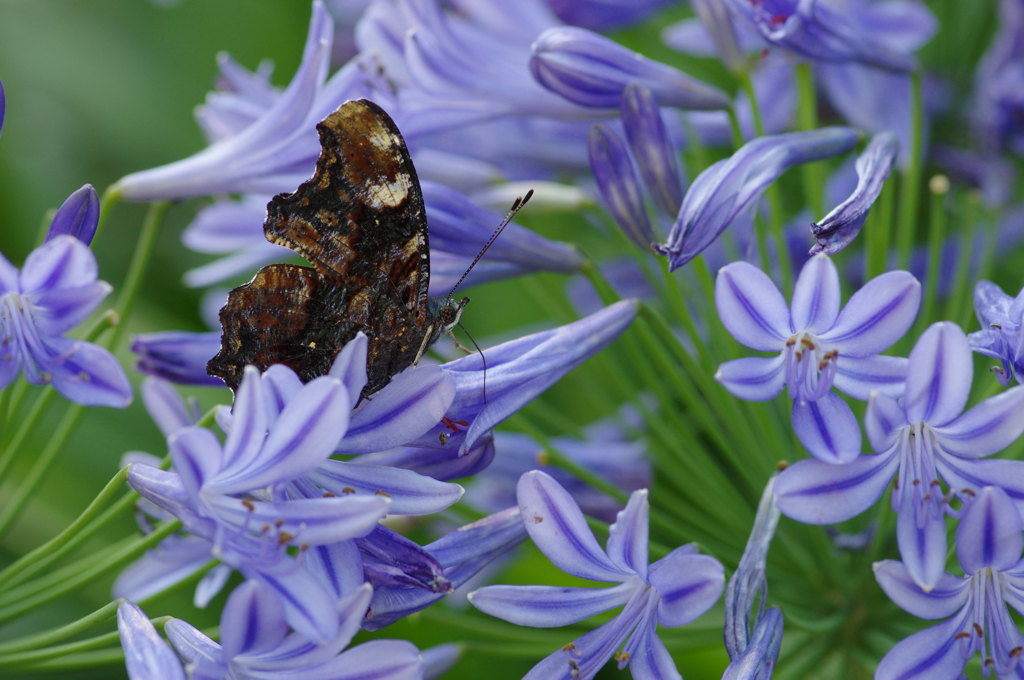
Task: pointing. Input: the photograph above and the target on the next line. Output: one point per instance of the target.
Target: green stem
(39, 640)
(807, 113)
(22, 659)
(137, 268)
(73, 582)
(938, 186)
(960, 299)
(27, 425)
(879, 233)
(54, 544)
(110, 198)
(910, 188)
(734, 126)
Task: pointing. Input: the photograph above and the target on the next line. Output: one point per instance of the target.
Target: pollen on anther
(348, 489)
(378, 492)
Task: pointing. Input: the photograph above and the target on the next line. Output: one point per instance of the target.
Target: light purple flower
(819, 346)
(727, 188)
(55, 291)
(988, 547)
(613, 170)
(656, 156)
(605, 15)
(591, 70)
(820, 32)
(926, 437)
(278, 150)
(255, 643)
(178, 356)
(462, 553)
(1002, 330)
(838, 228)
(716, 19)
(78, 216)
(998, 99)
(518, 371)
(439, 659)
(673, 591)
(146, 655)
(241, 97)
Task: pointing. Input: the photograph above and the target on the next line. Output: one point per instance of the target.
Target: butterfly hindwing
(360, 218)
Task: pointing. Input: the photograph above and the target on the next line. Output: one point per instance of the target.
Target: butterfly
(361, 224)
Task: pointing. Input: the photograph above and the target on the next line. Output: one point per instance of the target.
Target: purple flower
(673, 591)
(925, 436)
(605, 15)
(146, 655)
(652, 148)
(715, 17)
(988, 547)
(178, 356)
(591, 70)
(1002, 330)
(727, 188)
(999, 84)
(275, 152)
(819, 346)
(518, 371)
(461, 553)
(838, 229)
(240, 99)
(613, 171)
(255, 643)
(820, 32)
(55, 291)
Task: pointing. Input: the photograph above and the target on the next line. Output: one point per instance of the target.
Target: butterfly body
(361, 223)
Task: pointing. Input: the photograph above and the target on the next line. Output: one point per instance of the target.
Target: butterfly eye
(447, 315)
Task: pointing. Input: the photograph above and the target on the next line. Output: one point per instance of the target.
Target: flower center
(918, 476)
(810, 368)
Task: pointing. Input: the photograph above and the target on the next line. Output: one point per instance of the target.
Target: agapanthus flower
(837, 229)
(926, 437)
(518, 371)
(998, 81)
(605, 15)
(718, 22)
(613, 171)
(651, 145)
(146, 655)
(819, 346)
(178, 356)
(673, 591)
(988, 547)
(255, 643)
(591, 70)
(733, 185)
(56, 290)
(1002, 330)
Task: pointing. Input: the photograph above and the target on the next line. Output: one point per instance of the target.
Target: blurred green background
(97, 89)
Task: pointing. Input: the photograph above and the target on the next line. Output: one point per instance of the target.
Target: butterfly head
(449, 314)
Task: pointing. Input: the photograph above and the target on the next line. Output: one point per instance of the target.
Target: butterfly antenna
(516, 207)
(482, 357)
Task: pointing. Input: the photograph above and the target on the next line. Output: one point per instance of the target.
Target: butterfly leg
(459, 345)
(423, 345)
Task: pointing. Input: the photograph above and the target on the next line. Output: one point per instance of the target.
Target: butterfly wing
(360, 219)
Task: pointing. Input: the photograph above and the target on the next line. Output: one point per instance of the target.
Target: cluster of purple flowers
(297, 488)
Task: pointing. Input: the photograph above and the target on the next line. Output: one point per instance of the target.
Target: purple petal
(248, 423)
(717, 20)
(493, 535)
(350, 366)
(441, 464)
(883, 420)
(932, 654)
(940, 375)
(211, 584)
(838, 229)
(921, 538)
(816, 296)
(943, 600)
(859, 377)
(308, 607)
(548, 606)
(78, 216)
(410, 493)
(309, 521)
(753, 378)
(689, 585)
(592, 70)
(57, 311)
(584, 657)
(876, 316)
(227, 226)
(390, 558)
(613, 172)
(178, 356)
(338, 566)
(62, 262)
(200, 652)
(986, 428)
(196, 455)
(252, 621)
(649, 659)
(176, 558)
(653, 150)
(303, 437)
(989, 534)
(373, 660)
(439, 659)
(411, 404)
(751, 308)
(165, 406)
(9, 276)
(967, 477)
(88, 374)
(814, 492)
(627, 536)
(146, 655)
(559, 530)
(729, 187)
(828, 428)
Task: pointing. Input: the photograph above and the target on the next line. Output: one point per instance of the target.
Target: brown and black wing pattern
(361, 217)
